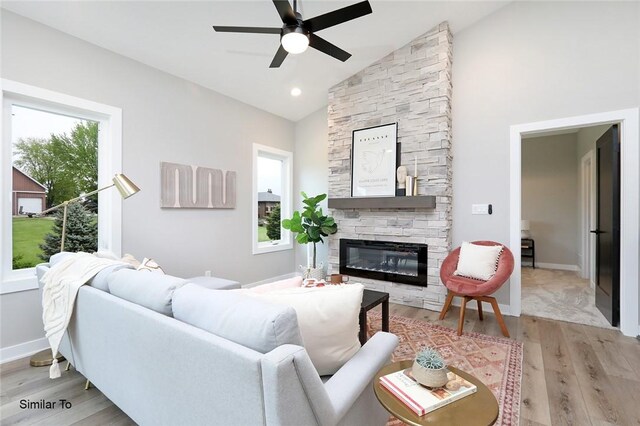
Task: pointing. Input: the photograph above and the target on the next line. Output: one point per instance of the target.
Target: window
(54, 158)
(54, 147)
(271, 199)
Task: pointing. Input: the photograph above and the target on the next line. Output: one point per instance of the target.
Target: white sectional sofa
(246, 367)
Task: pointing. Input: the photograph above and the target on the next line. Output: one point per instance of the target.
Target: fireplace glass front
(384, 260)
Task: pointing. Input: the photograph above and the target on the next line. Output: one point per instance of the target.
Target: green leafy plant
(311, 225)
(430, 358)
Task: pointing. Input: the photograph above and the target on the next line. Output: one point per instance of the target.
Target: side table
(371, 299)
(480, 408)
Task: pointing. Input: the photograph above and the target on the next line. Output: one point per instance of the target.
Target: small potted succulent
(429, 368)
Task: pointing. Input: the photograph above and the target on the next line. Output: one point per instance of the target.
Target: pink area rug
(496, 361)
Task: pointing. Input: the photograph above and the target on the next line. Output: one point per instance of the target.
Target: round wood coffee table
(480, 408)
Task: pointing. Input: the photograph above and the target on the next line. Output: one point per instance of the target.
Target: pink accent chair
(472, 289)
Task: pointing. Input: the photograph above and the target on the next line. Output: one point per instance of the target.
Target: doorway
(629, 214)
(557, 197)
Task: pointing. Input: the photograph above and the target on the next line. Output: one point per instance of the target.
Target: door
(608, 225)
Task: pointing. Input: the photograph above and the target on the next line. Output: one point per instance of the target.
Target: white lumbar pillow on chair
(479, 262)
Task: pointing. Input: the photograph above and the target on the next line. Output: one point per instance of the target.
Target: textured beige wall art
(195, 187)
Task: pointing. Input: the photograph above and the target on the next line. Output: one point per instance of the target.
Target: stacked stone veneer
(411, 86)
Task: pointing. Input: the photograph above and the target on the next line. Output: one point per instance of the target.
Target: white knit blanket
(60, 288)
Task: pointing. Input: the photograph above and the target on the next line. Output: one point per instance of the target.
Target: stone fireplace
(411, 86)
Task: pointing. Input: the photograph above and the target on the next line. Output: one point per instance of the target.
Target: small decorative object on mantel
(401, 175)
(412, 186)
(311, 226)
(429, 368)
(374, 160)
(213, 188)
(412, 181)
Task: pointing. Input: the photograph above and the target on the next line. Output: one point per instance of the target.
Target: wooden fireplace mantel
(417, 202)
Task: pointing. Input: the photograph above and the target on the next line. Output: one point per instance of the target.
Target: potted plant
(429, 368)
(310, 226)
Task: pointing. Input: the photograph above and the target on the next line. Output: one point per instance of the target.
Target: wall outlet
(481, 209)
(207, 273)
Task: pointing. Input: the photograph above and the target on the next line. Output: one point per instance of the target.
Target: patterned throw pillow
(150, 265)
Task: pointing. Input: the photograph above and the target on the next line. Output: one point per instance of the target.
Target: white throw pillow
(294, 282)
(479, 262)
(328, 318)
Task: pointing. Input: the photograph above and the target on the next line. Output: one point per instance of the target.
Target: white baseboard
(270, 280)
(504, 309)
(12, 353)
(558, 266)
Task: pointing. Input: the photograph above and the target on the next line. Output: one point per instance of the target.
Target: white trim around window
(109, 163)
(285, 242)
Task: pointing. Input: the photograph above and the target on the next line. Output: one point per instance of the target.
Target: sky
(31, 123)
(269, 175)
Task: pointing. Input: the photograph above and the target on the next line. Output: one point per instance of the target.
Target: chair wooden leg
(480, 309)
(496, 310)
(447, 305)
(462, 309)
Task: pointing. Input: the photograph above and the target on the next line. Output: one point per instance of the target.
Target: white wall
(310, 170)
(586, 139)
(550, 193)
(164, 119)
(527, 62)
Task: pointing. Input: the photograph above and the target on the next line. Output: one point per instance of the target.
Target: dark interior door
(608, 229)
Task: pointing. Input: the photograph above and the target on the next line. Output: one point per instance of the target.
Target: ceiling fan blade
(325, 47)
(253, 30)
(285, 11)
(338, 16)
(279, 57)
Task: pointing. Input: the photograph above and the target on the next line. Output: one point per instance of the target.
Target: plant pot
(316, 273)
(433, 378)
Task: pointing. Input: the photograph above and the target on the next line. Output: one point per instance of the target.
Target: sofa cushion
(100, 280)
(214, 283)
(58, 257)
(256, 324)
(329, 319)
(153, 291)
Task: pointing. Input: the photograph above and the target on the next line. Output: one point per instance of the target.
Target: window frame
(109, 163)
(286, 202)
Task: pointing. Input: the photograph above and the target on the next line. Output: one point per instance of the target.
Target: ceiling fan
(297, 34)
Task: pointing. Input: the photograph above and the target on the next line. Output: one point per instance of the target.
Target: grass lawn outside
(262, 234)
(28, 233)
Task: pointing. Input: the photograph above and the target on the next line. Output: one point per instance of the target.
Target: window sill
(24, 280)
(270, 248)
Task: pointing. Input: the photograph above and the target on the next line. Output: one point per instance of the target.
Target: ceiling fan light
(295, 42)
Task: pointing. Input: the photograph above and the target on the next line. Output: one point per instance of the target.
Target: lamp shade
(124, 185)
(525, 225)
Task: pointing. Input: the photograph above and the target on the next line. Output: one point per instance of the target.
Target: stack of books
(422, 399)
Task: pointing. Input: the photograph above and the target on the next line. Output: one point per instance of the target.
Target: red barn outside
(29, 195)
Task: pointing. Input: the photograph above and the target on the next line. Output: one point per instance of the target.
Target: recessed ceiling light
(296, 91)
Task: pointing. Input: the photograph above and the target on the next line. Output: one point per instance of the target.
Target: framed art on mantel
(374, 153)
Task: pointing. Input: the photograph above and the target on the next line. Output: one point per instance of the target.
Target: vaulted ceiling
(177, 37)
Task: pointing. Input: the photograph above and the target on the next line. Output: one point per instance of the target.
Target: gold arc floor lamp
(126, 189)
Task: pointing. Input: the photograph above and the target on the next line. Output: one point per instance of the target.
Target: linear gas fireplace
(384, 260)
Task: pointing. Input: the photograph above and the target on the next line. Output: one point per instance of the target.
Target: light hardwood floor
(572, 375)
